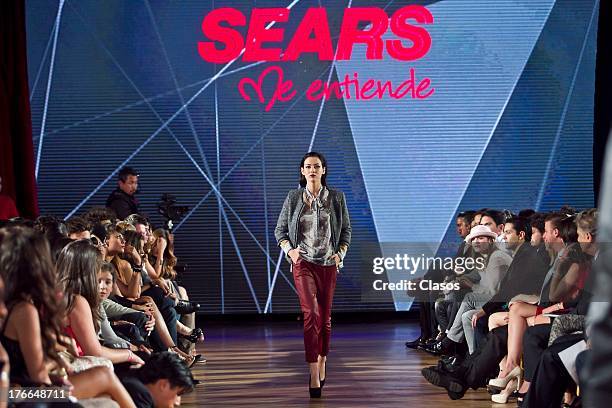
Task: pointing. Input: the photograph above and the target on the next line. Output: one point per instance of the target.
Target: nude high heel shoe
(501, 383)
(502, 397)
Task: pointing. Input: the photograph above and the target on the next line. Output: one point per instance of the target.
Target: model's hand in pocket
(337, 260)
(294, 254)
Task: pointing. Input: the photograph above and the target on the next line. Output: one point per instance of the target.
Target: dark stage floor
(262, 364)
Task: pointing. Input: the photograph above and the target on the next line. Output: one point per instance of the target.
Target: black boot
(453, 384)
(183, 307)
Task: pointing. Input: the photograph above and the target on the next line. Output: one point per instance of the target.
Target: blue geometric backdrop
(118, 82)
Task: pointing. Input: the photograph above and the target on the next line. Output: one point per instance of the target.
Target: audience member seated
(108, 337)
(134, 294)
(495, 221)
(565, 284)
(4, 357)
(78, 266)
(563, 291)
(80, 342)
(100, 215)
(579, 289)
(446, 302)
(496, 264)
(537, 236)
(165, 261)
(160, 382)
(78, 228)
(427, 299)
(525, 274)
(51, 227)
(32, 331)
(132, 325)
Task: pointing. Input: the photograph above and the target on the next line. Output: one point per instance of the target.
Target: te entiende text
(284, 90)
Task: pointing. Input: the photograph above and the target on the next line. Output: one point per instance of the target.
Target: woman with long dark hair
(33, 329)
(78, 266)
(314, 231)
(164, 261)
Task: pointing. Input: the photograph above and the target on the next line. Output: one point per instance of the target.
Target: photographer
(122, 200)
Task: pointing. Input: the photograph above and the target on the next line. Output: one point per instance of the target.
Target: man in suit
(525, 274)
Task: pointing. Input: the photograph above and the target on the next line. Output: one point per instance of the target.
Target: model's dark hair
(29, 275)
(127, 171)
(77, 266)
(166, 366)
(323, 163)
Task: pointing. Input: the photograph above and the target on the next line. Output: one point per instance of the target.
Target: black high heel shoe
(520, 397)
(322, 381)
(314, 392)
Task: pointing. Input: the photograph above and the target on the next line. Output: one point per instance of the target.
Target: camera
(170, 211)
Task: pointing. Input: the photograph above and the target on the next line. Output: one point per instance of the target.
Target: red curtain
(16, 151)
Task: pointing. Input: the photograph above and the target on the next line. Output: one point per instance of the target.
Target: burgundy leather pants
(315, 285)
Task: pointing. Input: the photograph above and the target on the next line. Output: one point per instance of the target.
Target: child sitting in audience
(78, 266)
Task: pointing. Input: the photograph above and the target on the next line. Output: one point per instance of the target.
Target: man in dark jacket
(526, 272)
(122, 200)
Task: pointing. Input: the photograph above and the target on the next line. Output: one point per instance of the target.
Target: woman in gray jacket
(314, 231)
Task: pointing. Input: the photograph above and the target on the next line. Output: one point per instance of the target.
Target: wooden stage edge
(262, 364)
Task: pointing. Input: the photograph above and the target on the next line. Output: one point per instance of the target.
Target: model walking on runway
(314, 231)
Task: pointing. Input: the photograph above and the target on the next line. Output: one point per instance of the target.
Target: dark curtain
(603, 92)
(16, 152)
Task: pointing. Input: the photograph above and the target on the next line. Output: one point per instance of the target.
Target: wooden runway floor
(263, 365)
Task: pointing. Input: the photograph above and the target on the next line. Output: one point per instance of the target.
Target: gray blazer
(288, 224)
